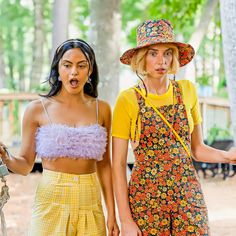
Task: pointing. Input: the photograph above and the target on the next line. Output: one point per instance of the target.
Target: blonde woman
(161, 119)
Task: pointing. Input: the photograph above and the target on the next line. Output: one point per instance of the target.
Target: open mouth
(161, 70)
(74, 83)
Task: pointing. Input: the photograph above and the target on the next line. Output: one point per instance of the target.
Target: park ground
(220, 196)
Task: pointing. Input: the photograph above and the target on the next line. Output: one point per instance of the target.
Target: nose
(74, 70)
(160, 59)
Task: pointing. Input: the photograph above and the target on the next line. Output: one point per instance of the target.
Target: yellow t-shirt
(127, 108)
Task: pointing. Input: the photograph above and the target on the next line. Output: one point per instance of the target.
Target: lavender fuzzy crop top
(58, 140)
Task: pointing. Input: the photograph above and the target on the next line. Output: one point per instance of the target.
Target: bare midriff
(71, 166)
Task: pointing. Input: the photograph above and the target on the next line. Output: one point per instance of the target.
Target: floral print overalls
(164, 192)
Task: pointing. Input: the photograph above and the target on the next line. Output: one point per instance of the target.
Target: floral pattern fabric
(165, 195)
(151, 32)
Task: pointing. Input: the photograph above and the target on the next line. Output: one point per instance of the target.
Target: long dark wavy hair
(56, 85)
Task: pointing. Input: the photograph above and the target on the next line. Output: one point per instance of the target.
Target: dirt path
(220, 197)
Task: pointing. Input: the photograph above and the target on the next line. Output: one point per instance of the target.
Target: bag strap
(164, 119)
(4, 197)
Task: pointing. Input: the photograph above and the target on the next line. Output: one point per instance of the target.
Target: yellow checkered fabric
(67, 205)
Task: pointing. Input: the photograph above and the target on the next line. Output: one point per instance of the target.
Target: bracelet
(7, 152)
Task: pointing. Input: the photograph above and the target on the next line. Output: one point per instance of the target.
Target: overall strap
(177, 91)
(4, 197)
(141, 101)
(164, 119)
(45, 110)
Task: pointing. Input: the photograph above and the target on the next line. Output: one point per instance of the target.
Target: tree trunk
(105, 39)
(204, 22)
(10, 64)
(60, 23)
(199, 34)
(21, 56)
(2, 64)
(38, 43)
(228, 24)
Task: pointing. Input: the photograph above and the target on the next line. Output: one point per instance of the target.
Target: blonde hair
(174, 68)
(138, 60)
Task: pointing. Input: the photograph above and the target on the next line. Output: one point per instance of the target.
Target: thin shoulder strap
(97, 110)
(140, 100)
(45, 110)
(177, 91)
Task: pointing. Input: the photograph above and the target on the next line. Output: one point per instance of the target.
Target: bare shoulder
(33, 110)
(34, 106)
(104, 106)
(104, 112)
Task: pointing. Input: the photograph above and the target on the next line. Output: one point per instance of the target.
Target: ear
(90, 72)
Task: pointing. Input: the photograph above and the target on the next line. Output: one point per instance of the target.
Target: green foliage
(216, 133)
(133, 13)
(222, 88)
(17, 25)
(41, 88)
(204, 80)
(16, 126)
(80, 16)
(17, 28)
(16, 22)
(182, 15)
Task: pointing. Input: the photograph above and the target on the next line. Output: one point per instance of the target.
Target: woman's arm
(204, 153)
(104, 173)
(24, 162)
(119, 164)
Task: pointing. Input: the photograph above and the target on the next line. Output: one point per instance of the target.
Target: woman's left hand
(232, 155)
(113, 229)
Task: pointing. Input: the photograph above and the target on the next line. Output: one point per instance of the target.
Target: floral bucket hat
(158, 31)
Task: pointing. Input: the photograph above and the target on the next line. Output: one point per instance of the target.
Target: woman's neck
(73, 99)
(157, 86)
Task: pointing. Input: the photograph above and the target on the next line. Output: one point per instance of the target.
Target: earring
(89, 81)
(59, 78)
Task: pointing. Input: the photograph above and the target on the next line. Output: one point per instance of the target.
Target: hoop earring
(89, 82)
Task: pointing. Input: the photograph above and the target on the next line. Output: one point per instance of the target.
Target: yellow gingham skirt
(67, 205)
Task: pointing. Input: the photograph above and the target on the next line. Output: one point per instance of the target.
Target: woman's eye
(82, 66)
(153, 53)
(168, 53)
(66, 65)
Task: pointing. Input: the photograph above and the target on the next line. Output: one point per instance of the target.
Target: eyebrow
(153, 49)
(67, 61)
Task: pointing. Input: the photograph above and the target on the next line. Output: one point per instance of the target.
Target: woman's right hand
(130, 228)
(4, 153)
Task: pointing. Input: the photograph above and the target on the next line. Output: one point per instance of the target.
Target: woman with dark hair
(69, 129)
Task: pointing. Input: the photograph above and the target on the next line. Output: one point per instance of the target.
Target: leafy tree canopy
(183, 15)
